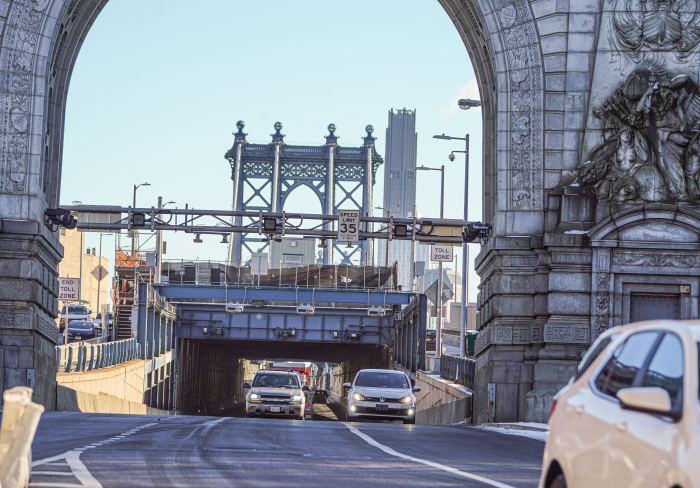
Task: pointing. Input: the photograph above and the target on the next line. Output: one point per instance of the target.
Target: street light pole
(133, 205)
(438, 294)
(386, 214)
(465, 255)
(80, 261)
(464, 104)
(438, 332)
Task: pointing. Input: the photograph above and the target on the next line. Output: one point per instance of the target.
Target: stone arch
(524, 91)
(62, 26)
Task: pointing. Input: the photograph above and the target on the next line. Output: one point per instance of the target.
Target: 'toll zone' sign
(441, 253)
(69, 289)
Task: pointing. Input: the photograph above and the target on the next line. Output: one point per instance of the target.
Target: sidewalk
(532, 430)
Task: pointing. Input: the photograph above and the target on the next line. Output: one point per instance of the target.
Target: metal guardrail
(458, 370)
(337, 276)
(74, 358)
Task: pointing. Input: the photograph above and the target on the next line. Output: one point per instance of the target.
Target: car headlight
(253, 396)
(407, 399)
(358, 396)
(296, 398)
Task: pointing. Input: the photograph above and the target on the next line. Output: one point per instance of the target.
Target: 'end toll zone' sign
(441, 253)
(69, 289)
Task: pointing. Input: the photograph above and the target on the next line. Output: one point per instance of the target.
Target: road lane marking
(449, 469)
(78, 470)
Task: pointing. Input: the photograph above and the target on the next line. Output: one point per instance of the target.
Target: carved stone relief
(642, 29)
(650, 149)
(18, 47)
(657, 260)
(524, 62)
(601, 303)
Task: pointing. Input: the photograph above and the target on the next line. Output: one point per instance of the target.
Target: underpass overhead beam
(293, 295)
(283, 324)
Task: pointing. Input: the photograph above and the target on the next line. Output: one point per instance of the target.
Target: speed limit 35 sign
(348, 226)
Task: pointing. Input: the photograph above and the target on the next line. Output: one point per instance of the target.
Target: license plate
(382, 407)
(78, 337)
(274, 409)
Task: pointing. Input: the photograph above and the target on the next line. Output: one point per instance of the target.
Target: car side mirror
(416, 388)
(347, 386)
(305, 388)
(246, 386)
(647, 399)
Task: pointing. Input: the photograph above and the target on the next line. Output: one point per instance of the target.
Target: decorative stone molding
(526, 113)
(12, 317)
(657, 259)
(19, 43)
(566, 334)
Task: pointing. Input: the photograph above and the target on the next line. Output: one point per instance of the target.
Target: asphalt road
(95, 450)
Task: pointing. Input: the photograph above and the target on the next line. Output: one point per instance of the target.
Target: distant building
(400, 187)
(291, 252)
(95, 270)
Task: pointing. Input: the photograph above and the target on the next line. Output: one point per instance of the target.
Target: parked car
(276, 393)
(110, 319)
(631, 414)
(72, 312)
(98, 323)
(81, 329)
(320, 396)
(381, 394)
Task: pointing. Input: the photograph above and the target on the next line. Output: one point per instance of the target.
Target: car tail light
(552, 406)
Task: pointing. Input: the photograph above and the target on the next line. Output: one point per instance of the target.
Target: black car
(81, 329)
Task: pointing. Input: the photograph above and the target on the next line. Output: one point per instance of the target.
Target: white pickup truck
(74, 312)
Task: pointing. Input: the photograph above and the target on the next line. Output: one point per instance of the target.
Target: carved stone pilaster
(526, 113)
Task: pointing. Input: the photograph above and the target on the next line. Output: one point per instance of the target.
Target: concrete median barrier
(20, 418)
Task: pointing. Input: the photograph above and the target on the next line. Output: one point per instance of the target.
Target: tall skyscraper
(400, 187)
(400, 163)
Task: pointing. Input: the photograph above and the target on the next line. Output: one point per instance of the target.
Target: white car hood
(275, 391)
(393, 393)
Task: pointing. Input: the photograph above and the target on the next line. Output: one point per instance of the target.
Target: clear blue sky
(155, 97)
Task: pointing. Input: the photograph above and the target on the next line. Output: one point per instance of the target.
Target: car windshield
(378, 379)
(77, 309)
(80, 324)
(271, 380)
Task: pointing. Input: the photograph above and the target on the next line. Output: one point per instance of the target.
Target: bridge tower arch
(536, 64)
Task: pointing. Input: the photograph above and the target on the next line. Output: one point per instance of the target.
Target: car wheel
(558, 482)
(410, 421)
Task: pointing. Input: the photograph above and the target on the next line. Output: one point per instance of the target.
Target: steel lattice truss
(265, 175)
(263, 225)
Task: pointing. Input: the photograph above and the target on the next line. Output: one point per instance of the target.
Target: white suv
(631, 415)
(381, 394)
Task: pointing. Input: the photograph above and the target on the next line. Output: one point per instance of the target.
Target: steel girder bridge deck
(262, 322)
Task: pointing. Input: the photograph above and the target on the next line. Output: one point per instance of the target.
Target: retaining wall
(441, 401)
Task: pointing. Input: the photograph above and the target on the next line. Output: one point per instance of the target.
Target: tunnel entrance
(210, 374)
